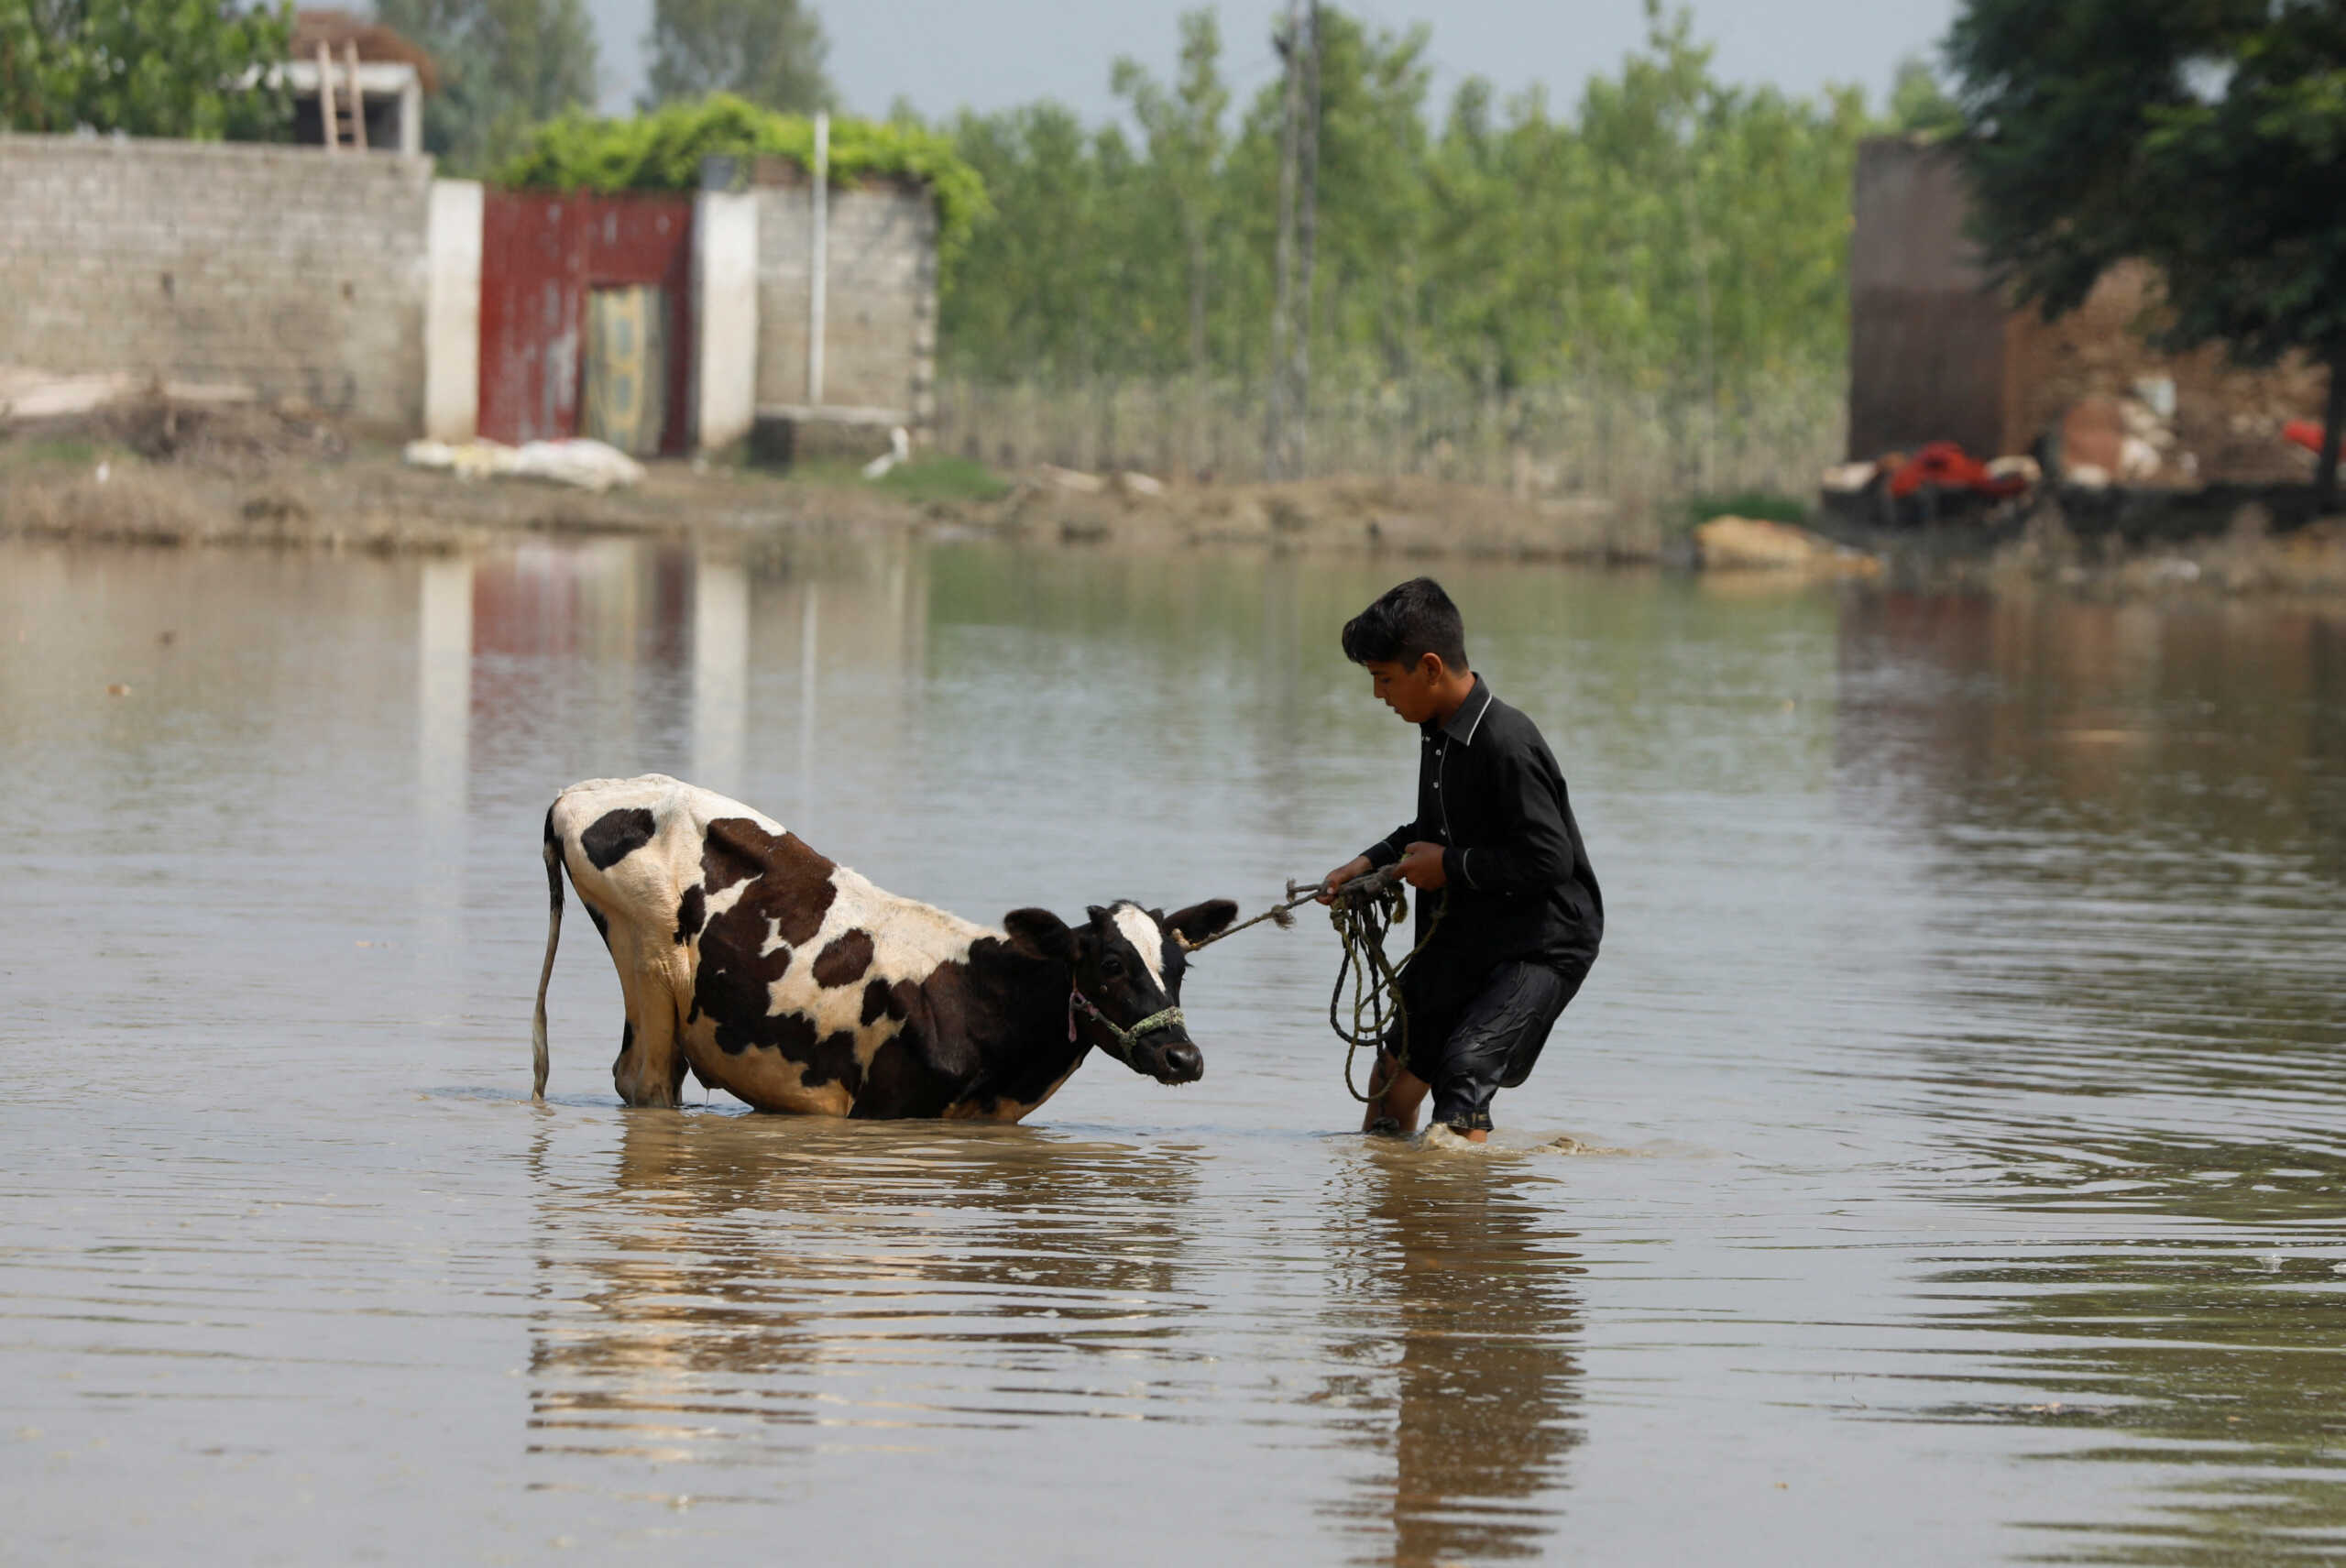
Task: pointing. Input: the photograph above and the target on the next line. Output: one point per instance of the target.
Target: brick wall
(880, 342)
(281, 268)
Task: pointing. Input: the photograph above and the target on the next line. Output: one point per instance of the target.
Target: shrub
(662, 151)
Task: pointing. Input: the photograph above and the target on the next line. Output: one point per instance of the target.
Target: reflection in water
(444, 663)
(720, 673)
(809, 674)
(2139, 812)
(2217, 1363)
(1452, 1304)
(1987, 952)
(743, 1273)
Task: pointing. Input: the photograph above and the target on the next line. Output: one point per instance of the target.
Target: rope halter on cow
(1155, 1023)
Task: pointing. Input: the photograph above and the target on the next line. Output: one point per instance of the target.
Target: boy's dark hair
(1406, 624)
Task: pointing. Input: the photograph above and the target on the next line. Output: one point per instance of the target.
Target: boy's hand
(1421, 867)
(1358, 866)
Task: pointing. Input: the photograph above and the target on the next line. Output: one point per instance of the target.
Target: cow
(792, 982)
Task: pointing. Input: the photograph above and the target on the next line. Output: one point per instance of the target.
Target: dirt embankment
(155, 472)
(1406, 517)
(2249, 556)
(152, 471)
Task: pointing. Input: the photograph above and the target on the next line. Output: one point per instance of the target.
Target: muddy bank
(161, 474)
(1405, 517)
(296, 495)
(375, 503)
(2048, 547)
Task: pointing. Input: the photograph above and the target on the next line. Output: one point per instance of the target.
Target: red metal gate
(539, 255)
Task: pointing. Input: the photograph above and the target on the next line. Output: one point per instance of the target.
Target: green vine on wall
(664, 150)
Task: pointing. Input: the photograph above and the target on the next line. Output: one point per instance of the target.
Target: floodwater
(1963, 1066)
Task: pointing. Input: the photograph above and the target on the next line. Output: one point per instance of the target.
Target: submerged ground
(1968, 1015)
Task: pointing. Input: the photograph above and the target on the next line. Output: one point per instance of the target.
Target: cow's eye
(1112, 967)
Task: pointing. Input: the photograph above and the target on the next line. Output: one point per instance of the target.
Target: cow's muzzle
(1159, 1045)
(1180, 1062)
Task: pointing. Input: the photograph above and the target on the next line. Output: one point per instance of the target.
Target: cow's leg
(651, 1066)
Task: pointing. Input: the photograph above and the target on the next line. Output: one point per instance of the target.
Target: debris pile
(583, 462)
(220, 426)
(2111, 452)
(1939, 483)
(2126, 441)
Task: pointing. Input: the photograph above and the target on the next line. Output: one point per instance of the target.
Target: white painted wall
(725, 283)
(452, 311)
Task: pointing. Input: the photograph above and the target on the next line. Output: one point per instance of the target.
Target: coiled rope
(1363, 910)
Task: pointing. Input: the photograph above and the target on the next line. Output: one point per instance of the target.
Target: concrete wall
(452, 311)
(725, 306)
(880, 348)
(277, 268)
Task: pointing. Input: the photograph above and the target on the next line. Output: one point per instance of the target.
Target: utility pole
(1306, 242)
(1299, 179)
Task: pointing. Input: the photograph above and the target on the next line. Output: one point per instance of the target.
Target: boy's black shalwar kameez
(1523, 916)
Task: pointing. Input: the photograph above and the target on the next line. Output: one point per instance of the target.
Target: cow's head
(1127, 964)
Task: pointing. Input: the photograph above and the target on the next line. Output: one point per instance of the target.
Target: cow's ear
(1040, 933)
(1201, 920)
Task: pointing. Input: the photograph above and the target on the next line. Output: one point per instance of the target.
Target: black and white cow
(794, 983)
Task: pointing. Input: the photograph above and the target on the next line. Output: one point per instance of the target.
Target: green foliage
(2206, 137)
(1762, 505)
(930, 476)
(504, 65)
(1186, 142)
(943, 478)
(1919, 103)
(662, 151)
(155, 67)
(1670, 231)
(26, 455)
(768, 51)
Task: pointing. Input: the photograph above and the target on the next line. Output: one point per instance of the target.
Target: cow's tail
(545, 975)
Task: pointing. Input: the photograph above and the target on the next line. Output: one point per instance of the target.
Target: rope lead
(1378, 1011)
(1364, 909)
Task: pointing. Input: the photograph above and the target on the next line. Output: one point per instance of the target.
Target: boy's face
(1408, 689)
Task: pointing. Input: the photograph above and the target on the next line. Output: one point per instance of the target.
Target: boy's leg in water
(1497, 1039)
(1396, 1105)
(1396, 1093)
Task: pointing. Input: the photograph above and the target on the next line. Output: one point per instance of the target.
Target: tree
(1186, 145)
(2193, 135)
(768, 51)
(504, 65)
(151, 67)
(1669, 234)
(1919, 103)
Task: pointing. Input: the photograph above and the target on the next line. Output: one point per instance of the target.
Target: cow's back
(797, 984)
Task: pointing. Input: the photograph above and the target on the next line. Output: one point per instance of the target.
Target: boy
(1495, 836)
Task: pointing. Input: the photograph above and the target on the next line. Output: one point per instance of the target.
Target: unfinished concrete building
(1937, 353)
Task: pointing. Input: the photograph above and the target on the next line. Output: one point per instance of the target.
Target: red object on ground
(1948, 466)
(2306, 432)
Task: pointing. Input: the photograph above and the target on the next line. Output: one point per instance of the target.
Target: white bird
(899, 450)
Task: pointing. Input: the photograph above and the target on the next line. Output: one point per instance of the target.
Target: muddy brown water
(1970, 1019)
